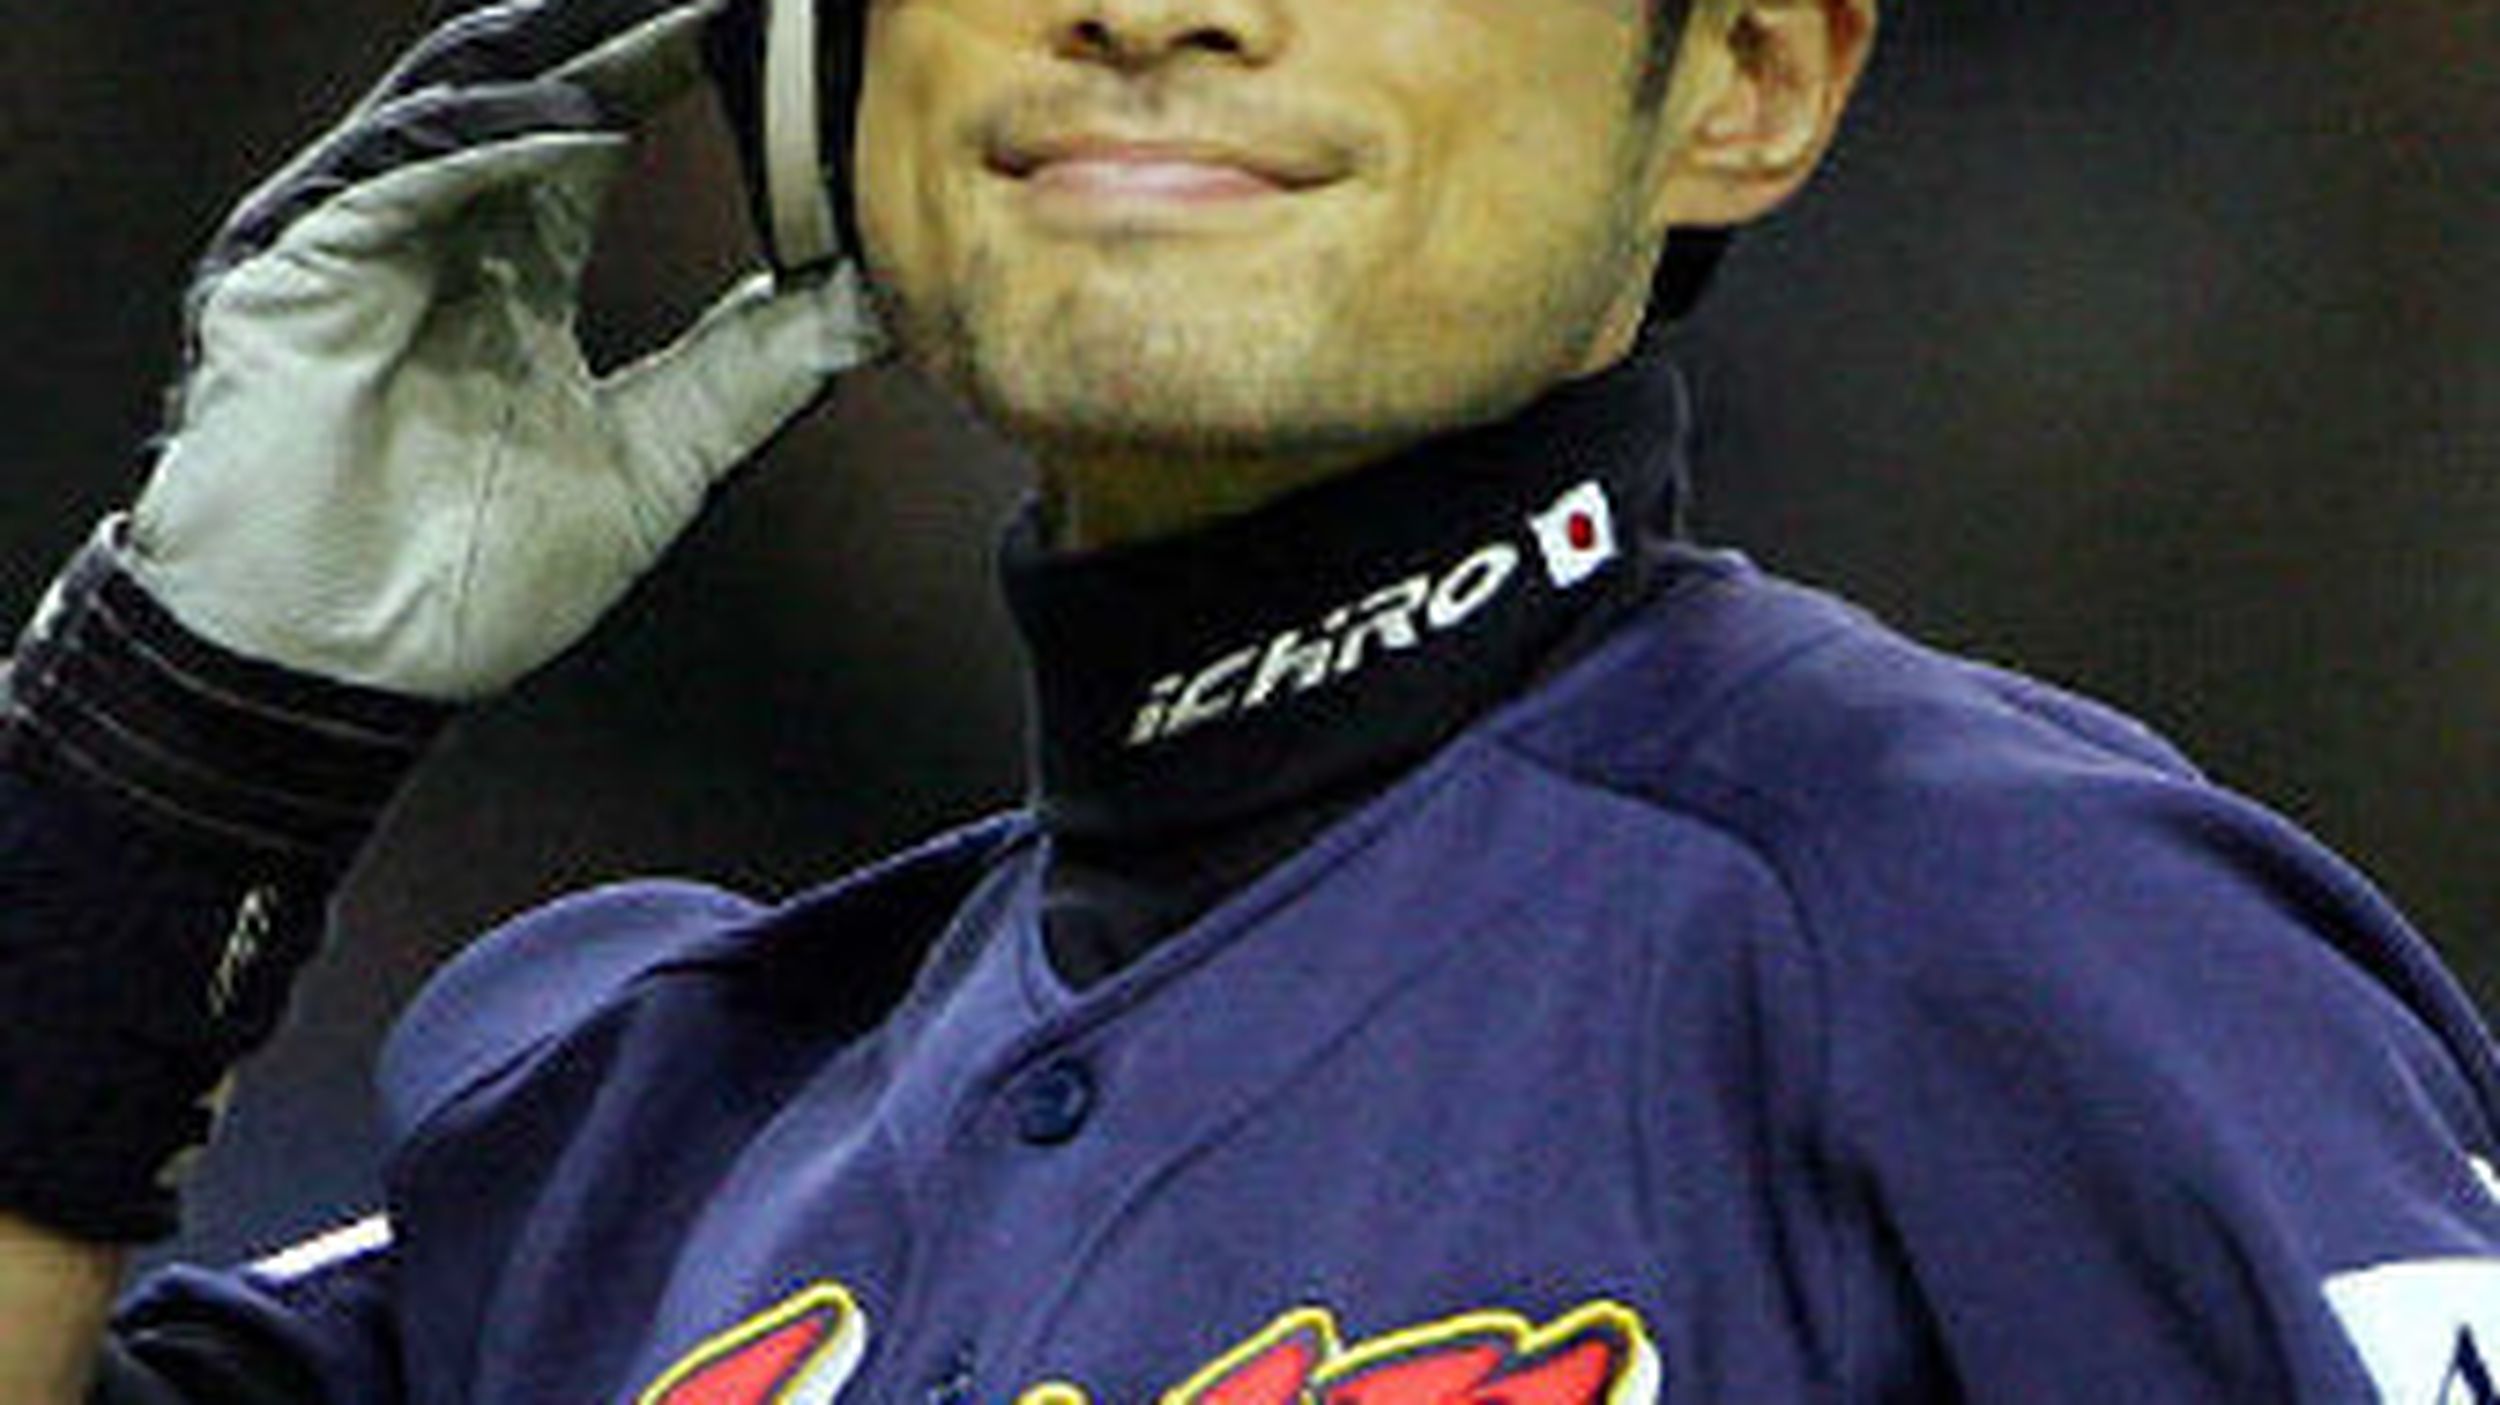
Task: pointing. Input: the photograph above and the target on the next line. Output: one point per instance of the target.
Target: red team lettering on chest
(1597, 1354)
(805, 1350)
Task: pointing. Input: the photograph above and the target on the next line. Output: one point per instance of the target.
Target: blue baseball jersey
(1765, 1008)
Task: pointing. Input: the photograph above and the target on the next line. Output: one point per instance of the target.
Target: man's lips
(1145, 176)
(1189, 171)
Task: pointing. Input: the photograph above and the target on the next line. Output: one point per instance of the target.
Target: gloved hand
(390, 464)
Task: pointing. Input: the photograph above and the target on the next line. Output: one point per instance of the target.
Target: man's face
(1251, 227)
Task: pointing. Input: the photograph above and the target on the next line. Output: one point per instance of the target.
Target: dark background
(2147, 347)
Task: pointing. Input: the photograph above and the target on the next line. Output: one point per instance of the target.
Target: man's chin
(1212, 383)
(1058, 429)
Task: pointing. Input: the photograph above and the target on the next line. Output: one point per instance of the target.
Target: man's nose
(1139, 35)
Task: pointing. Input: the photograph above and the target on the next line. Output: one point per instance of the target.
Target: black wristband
(173, 819)
(223, 754)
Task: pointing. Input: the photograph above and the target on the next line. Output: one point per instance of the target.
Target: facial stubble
(1140, 345)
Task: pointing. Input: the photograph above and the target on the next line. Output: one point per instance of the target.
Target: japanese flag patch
(1576, 535)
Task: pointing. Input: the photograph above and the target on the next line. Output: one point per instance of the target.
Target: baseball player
(1466, 942)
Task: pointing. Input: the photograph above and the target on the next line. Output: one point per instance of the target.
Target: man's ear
(1756, 98)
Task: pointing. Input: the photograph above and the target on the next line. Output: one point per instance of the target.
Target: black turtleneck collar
(1205, 702)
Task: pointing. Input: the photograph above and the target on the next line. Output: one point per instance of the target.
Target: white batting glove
(391, 465)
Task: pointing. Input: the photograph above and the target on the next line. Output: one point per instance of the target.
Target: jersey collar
(1342, 631)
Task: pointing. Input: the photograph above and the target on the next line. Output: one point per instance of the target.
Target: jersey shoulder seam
(1767, 856)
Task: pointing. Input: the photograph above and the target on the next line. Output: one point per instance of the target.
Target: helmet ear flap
(788, 74)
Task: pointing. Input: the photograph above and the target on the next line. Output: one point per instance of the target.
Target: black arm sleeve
(173, 819)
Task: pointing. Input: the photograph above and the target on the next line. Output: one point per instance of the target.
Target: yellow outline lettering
(821, 1373)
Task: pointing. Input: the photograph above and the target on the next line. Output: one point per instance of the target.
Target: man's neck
(1098, 499)
(1099, 496)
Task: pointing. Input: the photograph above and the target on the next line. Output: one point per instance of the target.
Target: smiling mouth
(1150, 178)
(1081, 172)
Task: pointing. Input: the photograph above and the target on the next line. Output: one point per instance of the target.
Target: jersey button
(1053, 1104)
(952, 1383)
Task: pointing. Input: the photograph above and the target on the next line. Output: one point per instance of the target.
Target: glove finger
(645, 68)
(687, 415)
(425, 130)
(522, 39)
